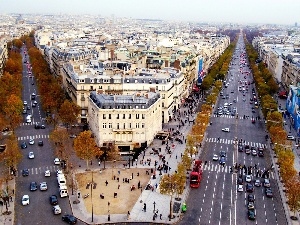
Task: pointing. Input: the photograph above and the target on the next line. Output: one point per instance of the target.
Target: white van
(63, 192)
(61, 180)
(28, 119)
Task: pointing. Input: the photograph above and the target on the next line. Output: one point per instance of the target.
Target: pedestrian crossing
(40, 170)
(228, 116)
(38, 136)
(29, 124)
(216, 167)
(231, 142)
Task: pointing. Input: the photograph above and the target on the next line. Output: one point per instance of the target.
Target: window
(143, 125)
(137, 116)
(129, 117)
(162, 104)
(124, 116)
(118, 116)
(104, 125)
(163, 96)
(109, 125)
(137, 125)
(104, 116)
(123, 125)
(91, 88)
(118, 126)
(109, 116)
(143, 116)
(100, 87)
(129, 125)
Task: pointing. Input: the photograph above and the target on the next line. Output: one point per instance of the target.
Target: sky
(285, 12)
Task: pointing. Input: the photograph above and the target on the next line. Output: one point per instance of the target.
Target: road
(217, 201)
(39, 211)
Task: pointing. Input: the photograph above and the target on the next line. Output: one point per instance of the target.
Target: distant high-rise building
(296, 24)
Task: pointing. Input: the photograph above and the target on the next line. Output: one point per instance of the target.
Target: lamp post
(129, 161)
(92, 197)
(108, 216)
(154, 203)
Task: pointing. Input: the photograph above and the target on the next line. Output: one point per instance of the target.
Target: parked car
(69, 219)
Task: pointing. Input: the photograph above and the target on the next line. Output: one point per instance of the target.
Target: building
(126, 121)
(3, 57)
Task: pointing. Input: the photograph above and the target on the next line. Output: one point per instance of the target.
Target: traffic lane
(241, 206)
(32, 214)
(222, 200)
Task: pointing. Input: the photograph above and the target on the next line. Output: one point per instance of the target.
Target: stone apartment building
(125, 121)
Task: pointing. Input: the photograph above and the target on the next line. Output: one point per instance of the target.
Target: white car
(25, 102)
(248, 178)
(59, 172)
(43, 186)
(31, 155)
(290, 137)
(215, 157)
(31, 142)
(225, 129)
(57, 161)
(56, 209)
(257, 183)
(25, 200)
(240, 188)
(47, 173)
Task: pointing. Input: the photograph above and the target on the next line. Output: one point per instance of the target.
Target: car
(53, 200)
(260, 153)
(251, 214)
(240, 188)
(43, 186)
(37, 126)
(267, 183)
(250, 205)
(254, 152)
(31, 155)
(222, 161)
(56, 161)
(25, 200)
(35, 102)
(234, 100)
(28, 107)
(240, 148)
(269, 192)
(43, 126)
(215, 157)
(257, 183)
(25, 102)
(25, 172)
(33, 186)
(33, 105)
(47, 173)
(56, 210)
(248, 178)
(290, 137)
(24, 111)
(249, 187)
(69, 219)
(225, 129)
(222, 154)
(23, 145)
(251, 198)
(31, 142)
(40, 143)
(73, 136)
(240, 180)
(59, 172)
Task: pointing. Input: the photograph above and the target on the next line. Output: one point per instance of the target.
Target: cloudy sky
(240, 11)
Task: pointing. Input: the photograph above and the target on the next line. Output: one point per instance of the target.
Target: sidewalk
(150, 198)
(290, 130)
(8, 219)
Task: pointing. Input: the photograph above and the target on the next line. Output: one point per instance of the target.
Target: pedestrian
(13, 191)
(160, 215)
(176, 156)
(119, 186)
(106, 183)
(99, 163)
(144, 208)
(128, 215)
(11, 199)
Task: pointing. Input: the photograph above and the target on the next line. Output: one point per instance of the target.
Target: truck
(196, 174)
(62, 183)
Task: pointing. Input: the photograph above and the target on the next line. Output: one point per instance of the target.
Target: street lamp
(92, 196)
(108, 216)
(154, 203)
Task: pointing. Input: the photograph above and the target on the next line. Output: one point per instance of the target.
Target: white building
(126, 121)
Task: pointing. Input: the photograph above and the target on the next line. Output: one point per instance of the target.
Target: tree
(293, 194)
(13, 109)
(68, 112)
(85, 146)
(62, 144)
(12, 153)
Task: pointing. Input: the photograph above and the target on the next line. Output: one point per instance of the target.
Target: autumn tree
(68, 112)
(13, 109)
(12, 153)
(85, 146)
(293, 194)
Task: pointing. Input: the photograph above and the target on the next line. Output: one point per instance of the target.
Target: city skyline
(219, 11)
